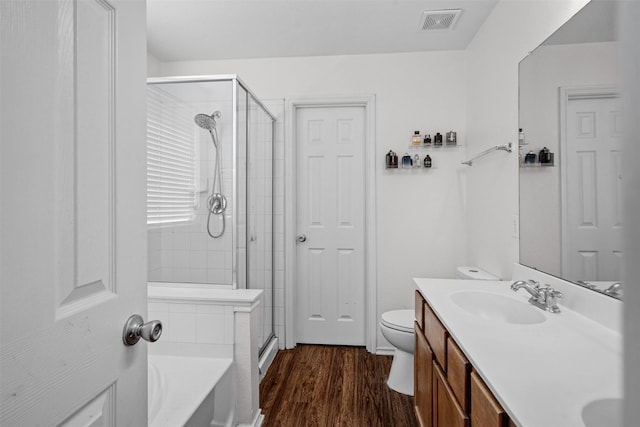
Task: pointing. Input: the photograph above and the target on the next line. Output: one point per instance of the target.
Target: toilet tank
(474, 273)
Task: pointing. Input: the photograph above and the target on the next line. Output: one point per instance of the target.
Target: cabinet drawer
(458, 374)
(423, 381)
(447, 412)
(485, 409)
(436, 335)
(420, 310)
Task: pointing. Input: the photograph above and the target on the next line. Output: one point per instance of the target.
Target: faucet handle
(550, 296)
(535, 284)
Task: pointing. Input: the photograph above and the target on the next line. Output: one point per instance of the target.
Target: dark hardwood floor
(326, 386)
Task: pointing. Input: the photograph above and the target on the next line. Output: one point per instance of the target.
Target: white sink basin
(498, 308)
(603, 412)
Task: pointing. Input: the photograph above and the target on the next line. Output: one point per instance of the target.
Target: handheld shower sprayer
(217, 202)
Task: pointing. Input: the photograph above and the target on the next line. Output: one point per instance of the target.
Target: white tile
(198, 275)
(197, 259)
(183, 327)
(161, 307)
(182, 308)
(210, 329)
(210, 309)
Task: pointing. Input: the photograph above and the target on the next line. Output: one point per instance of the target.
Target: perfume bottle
(427, 161)
(530, 158)
(437, 140)
(452, 138)
(416, 161)
(416, 139)
(392, 160)
(521, 137)
(427, 140)
(406, 161)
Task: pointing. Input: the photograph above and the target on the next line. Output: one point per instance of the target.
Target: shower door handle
(301, 238)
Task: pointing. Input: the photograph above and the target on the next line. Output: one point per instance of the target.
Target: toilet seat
(400, 320)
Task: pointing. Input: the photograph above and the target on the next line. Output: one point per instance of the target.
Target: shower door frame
(236, 82)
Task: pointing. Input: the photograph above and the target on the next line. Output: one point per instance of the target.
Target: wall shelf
(536, 165)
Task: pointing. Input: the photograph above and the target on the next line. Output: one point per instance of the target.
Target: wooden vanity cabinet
(423, 380)
(485, 409)
(447, 412)
(447, 390)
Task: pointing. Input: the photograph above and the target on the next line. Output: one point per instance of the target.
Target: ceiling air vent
(439, 19)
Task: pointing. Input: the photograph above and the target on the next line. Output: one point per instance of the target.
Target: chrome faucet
(615, 289)
(545, 298)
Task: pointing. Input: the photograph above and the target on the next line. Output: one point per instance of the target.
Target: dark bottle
(427, 161)
(437, 139)
(392, 160)
(427, 140)
(530, 158)
(407, 162)
(544, 156)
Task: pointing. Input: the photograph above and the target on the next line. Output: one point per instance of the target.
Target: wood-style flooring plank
(326, 386)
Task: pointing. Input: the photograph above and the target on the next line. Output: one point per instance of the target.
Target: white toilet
(397, 327)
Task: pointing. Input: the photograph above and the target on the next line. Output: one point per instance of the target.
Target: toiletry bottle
(530, 158)
(520, 137)
(427, 140)
(416, 161)
(427, 161)
(437, 140)
(391, 160)
(406, 161)
(416, 139)
(544, 156)
(451, 138)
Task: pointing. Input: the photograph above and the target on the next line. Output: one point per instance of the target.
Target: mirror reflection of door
(592, 219)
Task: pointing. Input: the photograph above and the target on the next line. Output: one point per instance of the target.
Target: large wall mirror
(570, 157)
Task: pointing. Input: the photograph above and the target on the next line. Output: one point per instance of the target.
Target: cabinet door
(423, 380)
(447, 412)
(458, 371)
(485, 409)
(436, 335)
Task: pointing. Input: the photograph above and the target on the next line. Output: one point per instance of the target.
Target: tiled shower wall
(185, 253)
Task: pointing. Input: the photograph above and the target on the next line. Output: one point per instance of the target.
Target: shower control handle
(301, 238)
(135, 328)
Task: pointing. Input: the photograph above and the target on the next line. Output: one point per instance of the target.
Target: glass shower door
(260, 211)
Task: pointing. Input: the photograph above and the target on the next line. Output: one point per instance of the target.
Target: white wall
(514, 28)
(420, 215)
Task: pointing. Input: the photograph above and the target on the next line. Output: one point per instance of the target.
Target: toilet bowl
(397, 327)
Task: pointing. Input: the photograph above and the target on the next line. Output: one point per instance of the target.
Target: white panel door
(330, 215)
(593, 250)
(72, 213)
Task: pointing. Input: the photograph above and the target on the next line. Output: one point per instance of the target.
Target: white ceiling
(181, 30)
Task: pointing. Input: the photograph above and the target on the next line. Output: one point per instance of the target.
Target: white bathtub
(190, 391)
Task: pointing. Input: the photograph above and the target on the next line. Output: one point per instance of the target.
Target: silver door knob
(301, 238)
(135, 328)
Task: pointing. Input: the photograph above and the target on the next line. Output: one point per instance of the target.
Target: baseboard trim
(385, 351)
(267, 357)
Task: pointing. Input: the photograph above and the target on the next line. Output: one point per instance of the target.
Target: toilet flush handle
(302, 238)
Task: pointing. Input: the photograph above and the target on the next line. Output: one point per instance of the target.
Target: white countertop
(543, 374)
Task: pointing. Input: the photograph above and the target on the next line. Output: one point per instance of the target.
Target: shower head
(207, 122)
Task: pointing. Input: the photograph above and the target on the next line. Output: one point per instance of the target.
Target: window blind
(171, 159)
